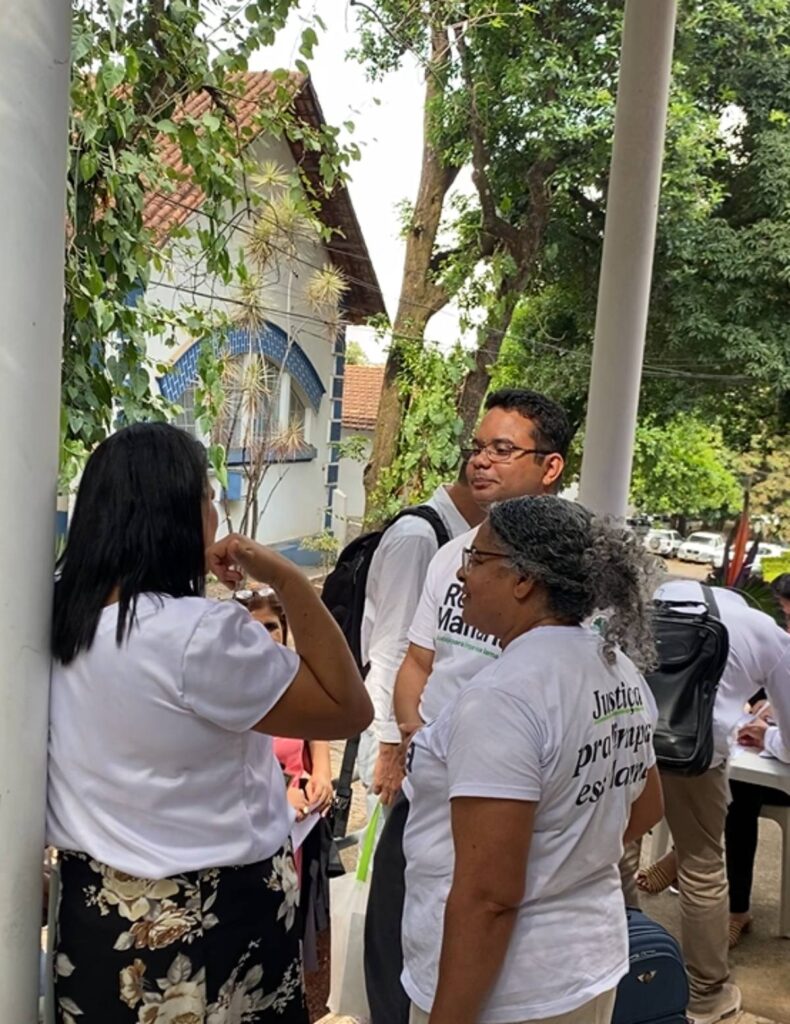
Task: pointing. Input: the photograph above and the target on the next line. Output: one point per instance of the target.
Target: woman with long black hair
(178, 890)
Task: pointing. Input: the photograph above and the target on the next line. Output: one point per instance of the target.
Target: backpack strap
(710, 601)
(346, 776)
(430, 515)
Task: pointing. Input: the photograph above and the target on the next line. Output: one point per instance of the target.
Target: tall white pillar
(34, 90)
(627, 263)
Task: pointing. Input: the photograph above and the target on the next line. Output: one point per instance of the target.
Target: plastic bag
(348, 901)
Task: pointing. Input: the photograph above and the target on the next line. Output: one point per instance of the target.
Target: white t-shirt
(153, 767)
(550, 722)
(759, 657)
(460, 650)
(395, 581)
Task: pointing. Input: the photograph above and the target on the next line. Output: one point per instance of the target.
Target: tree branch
(493, 225)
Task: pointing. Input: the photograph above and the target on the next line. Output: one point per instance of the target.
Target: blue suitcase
(655, 990)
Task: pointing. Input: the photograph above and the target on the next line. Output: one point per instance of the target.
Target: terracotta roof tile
(361, 396)
(164, 213)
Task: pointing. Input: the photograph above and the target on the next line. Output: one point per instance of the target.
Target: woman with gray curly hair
(526, 788)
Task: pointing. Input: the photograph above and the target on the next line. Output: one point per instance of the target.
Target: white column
(627, 264)
(34, 89)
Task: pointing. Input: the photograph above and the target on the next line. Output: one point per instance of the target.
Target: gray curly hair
(586, 564)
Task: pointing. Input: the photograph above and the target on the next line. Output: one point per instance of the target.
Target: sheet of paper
(302, 829)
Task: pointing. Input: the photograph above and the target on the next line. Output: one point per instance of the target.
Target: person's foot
(740, 924)
(723, 1006)
(658, 876)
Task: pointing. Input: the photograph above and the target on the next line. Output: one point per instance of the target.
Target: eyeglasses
(499, 451)
(474, 556)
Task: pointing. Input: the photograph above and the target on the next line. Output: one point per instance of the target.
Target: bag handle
(368, 843)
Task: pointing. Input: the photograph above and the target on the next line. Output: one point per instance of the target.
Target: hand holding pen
(752, 734)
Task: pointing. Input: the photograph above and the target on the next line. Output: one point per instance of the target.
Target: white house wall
(297, 507)
(351, 478)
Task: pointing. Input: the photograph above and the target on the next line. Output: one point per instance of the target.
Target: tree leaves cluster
(525, 97)
(135, 63)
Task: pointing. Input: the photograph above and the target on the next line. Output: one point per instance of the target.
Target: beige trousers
(597, 1011)
(696, 809)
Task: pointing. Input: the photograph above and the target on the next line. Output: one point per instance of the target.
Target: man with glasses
(518, 449)
(394, 585)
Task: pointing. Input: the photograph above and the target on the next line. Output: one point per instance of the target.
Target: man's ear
(553, 465)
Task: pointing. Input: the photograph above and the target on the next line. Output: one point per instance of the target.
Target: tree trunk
(491, 337)
(420, 295)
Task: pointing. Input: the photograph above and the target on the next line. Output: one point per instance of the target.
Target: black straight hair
(137, 527)
(552, 427)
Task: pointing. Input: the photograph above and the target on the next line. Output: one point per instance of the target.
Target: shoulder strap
(343, 788)
(430, 515)
(710, 601)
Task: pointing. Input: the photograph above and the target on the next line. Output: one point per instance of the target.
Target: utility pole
(34, 90)
(627, 263)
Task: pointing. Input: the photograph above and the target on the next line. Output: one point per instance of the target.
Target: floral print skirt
(219, 946)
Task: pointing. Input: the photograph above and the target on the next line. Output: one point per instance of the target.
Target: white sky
(389, 134)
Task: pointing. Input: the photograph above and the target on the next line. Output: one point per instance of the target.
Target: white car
(705, 548)
(663, 542)
(765, 550)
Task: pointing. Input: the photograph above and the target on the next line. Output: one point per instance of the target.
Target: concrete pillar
(34, 90)
(627, 264)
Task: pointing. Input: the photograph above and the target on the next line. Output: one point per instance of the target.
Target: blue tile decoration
(335, 424)
(271, 341)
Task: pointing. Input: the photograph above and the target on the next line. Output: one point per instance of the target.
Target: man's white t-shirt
(395, 581)
(460, 650)
(759, 656)
(153, 767)
(549, 722)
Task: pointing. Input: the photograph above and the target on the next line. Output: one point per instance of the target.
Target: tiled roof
(348, 251)
(361, 395)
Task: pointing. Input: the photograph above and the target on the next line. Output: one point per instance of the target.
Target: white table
(747, 766)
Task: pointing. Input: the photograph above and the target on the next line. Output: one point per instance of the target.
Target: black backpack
(344, 596)
(692, 651)
(344, 588)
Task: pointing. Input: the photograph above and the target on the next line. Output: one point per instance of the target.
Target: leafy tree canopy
(683, 468)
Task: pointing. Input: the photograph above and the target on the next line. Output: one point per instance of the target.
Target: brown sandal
(739, 928)
(658, 876)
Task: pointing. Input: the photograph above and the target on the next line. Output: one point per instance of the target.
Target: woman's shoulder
(183, 616)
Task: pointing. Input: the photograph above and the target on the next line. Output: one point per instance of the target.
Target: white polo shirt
(759, 657)
(153, 767)
(395, 581)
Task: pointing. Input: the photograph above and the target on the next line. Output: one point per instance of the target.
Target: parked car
(663, 542)
(705, 548)
(765, 550)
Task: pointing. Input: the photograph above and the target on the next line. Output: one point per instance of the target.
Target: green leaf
(308, 43)
(111, 75)
(216, 459)
(89, 165)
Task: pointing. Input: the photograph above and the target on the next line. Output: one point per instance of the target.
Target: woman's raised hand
(234, 557)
